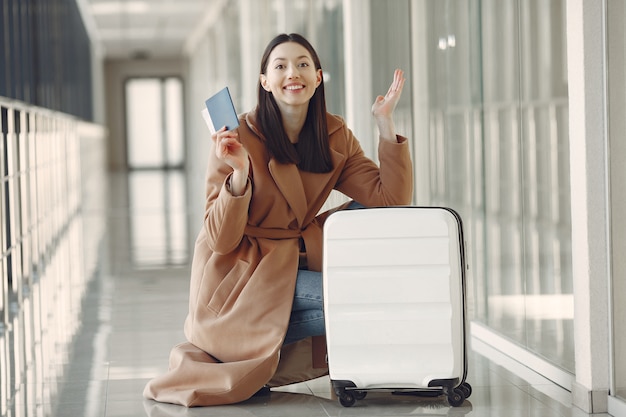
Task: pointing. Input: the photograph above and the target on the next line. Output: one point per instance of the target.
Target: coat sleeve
(225, 215)
(361, 179)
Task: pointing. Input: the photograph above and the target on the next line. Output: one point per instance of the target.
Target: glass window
(544, 187)
(391, 49)
(498, 144)
(174, 152)
(154, 120)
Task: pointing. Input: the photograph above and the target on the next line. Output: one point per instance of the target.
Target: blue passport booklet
(220, 111)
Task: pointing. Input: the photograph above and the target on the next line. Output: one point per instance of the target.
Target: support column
(588, 173)
(358, 64)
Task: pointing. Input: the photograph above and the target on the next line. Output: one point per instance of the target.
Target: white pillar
(588, 179)
(421, 110)
(358, 73)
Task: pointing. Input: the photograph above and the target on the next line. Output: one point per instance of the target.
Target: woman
(255, 298)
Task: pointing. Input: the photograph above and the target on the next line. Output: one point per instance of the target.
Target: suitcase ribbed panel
(393, 297)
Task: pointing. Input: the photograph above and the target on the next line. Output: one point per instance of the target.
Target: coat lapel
(292, 184)
(287, 178)
(321, 184)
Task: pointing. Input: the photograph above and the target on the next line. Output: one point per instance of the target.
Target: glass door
(154, 123)
(157, 195)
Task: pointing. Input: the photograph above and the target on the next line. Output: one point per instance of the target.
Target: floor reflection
(157, 229)
(43, 324)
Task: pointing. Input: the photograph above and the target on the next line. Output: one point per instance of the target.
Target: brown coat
(246, 259)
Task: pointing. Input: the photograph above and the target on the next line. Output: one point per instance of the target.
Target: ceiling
(123, 29)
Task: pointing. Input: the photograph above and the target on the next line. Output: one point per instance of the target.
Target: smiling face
(291, 76)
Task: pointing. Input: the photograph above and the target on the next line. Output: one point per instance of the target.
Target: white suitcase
(394, 300)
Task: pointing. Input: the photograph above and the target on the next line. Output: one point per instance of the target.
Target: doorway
(154, 123)
(155, 160)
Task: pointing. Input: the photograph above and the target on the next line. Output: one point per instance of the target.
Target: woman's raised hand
(230, 150)
(383, 107)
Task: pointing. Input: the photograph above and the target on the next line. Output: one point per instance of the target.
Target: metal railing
(45, 158)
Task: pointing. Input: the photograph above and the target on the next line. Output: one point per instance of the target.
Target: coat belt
(311, 235)
(269, 233)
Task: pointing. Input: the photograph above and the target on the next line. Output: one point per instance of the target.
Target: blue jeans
(307, 312)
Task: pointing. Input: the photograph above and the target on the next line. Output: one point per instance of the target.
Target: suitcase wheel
(466, 388)
(347, 399)
(456, 397)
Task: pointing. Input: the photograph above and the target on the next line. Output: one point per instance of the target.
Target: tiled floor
(132, 314)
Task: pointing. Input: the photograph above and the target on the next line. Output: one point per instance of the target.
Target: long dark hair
(312, 152)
